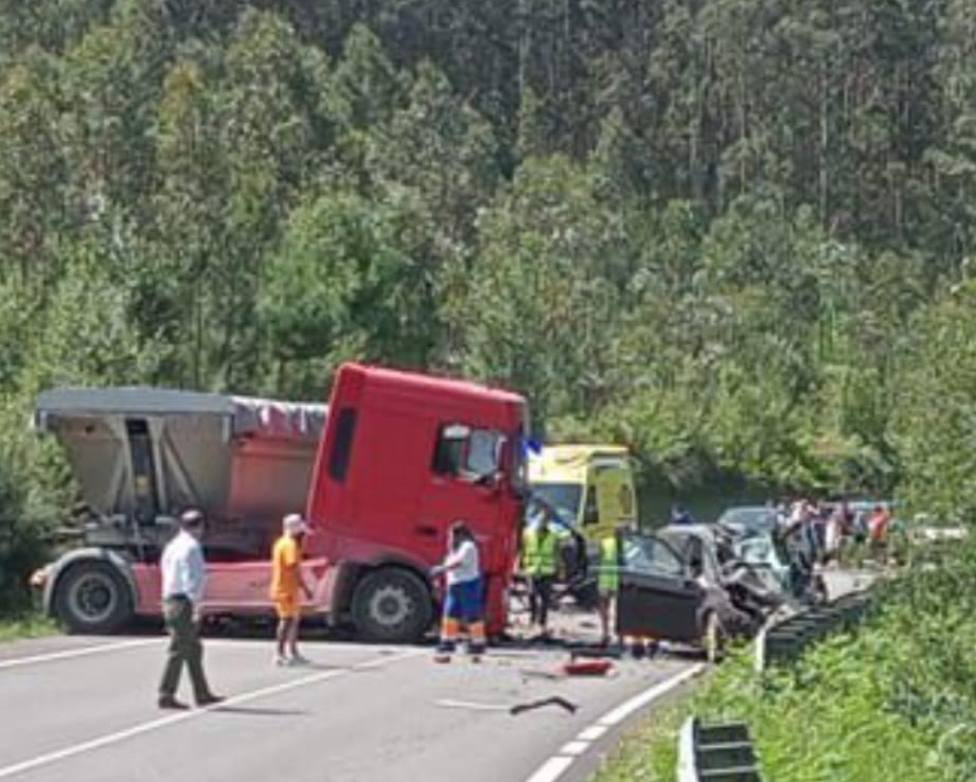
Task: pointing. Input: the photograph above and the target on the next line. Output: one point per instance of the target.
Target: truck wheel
(92, 598)
(391, 605)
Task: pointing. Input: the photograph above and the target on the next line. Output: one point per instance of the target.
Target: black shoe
(169, 702)
(209, 700)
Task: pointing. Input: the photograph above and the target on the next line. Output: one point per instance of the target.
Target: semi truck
(381, 473)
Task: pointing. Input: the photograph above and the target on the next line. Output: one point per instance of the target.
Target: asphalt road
(83, 709)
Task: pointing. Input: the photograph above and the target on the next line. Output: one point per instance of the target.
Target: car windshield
(756, 518)
(563, 497)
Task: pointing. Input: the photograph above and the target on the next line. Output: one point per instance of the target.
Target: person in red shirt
(878, 530)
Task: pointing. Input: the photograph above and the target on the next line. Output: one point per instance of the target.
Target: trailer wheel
(92, 597)
(391, 605)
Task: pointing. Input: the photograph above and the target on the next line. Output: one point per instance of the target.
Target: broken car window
(652, 557)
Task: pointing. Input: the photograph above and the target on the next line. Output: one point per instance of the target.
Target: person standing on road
(184, 577)
(608, 580)
(286, 581)
(463, 601)
(540, 550)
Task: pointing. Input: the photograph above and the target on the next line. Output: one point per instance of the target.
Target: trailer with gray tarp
(141, 456)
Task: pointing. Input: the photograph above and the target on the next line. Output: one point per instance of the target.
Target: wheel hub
(93, 597)
(390, 606)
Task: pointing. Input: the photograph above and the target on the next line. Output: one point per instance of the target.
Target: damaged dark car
(683, 584)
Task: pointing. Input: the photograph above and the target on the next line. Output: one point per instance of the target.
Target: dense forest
(736, 235)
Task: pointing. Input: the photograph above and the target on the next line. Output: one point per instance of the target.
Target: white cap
(294, 524)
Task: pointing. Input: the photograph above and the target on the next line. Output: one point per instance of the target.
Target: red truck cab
(382, 473)
(404, 456)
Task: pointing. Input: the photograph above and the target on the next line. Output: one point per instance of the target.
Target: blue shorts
(464, 601)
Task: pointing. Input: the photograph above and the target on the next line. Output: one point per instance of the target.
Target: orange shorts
(287, 606)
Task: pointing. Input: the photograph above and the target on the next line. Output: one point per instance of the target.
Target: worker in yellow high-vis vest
(540, 563)
(608, 581)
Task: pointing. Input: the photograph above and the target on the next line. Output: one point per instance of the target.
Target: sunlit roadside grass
(26, 626)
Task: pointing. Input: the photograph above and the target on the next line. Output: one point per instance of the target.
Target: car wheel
(92, 597)
(391, 605)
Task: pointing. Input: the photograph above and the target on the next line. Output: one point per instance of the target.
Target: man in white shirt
(184, 578)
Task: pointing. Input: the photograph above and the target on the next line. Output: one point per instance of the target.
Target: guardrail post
(787, 639)
(716, 753)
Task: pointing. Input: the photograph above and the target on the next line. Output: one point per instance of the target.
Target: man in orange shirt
(286, 580)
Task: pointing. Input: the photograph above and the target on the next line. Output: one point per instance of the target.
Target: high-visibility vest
(539, 553)
(609, 577)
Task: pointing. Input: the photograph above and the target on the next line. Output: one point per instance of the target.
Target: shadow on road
(260, 712)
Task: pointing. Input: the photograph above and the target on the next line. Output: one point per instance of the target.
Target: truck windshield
(563, 497)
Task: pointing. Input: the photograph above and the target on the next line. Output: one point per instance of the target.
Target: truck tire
(391, 605)
(92, 597)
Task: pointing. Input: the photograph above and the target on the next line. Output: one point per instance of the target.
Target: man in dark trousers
(184, 578)
(540, 563)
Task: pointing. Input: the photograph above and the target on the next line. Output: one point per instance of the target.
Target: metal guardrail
(786, 640)
(716, 753)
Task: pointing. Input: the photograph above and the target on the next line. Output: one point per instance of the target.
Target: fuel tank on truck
(142, 455)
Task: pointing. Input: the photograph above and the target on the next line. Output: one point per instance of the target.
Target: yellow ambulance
(591, 487)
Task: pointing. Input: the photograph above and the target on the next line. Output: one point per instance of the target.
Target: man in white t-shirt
(463, 602)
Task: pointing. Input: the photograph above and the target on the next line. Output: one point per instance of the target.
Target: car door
(657, 598)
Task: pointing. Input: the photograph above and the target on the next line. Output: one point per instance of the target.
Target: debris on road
(600, 652)
(587, 667)
(541, 673)
(515, 709)
(555, 700)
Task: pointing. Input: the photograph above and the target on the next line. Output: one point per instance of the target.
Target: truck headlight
(38, 579)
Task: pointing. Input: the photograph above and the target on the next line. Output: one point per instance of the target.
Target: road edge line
(556, 765)
(80, 652)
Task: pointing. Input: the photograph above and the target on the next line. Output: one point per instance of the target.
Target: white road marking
(85, 650)
(592, 733)
(162, 722)
(640, 700)
(555, 766)
(574, 748)
(552, 769)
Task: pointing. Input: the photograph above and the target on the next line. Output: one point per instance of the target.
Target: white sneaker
(279, 660)
(297, 659)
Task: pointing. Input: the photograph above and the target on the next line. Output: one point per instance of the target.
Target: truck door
(463, 483)
(657, 597)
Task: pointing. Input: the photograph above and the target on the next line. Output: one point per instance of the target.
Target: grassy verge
(649, 752)
(895, 701)
(26, 626)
